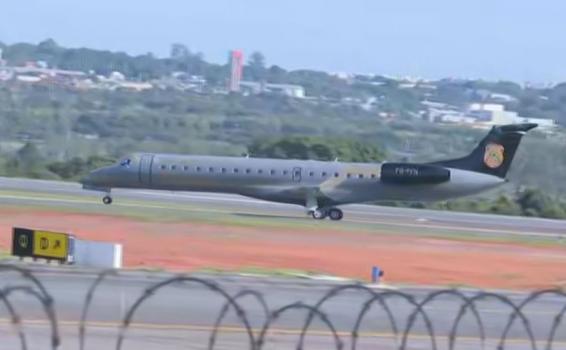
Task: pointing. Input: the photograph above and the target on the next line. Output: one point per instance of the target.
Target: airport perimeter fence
(376, 301)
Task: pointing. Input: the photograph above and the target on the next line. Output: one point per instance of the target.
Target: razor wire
(388, 311)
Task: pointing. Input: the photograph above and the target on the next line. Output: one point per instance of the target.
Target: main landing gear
(107, 200)
(334, 214)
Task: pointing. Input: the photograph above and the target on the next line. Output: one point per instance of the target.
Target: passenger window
(173, 167)
(236, 170)
(272, 172)
(373, 176)
(324, 174)
(349, 175)
(186, 168)
(285, 172)
(198, 169)
(259, 171)
(248, 171)
(361, 176)
(163, 166)
(223, 170)
(311, 173)
(336, 175)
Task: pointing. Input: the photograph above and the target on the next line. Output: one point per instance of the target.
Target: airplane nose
(89, 181)
(95, 178)
(85, 180)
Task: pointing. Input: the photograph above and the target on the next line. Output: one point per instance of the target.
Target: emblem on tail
(494, 155)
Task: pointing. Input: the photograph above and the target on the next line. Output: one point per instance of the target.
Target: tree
(255, 69)
(505, 205)
(317, 148)
(48, 46)
(28, 161)
(257, 59)
(179, 51)
(77, 167)
(276, 74)
(535, 202)
(29, 154)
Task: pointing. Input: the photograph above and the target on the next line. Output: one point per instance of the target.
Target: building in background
(253, 88)
(2, 61)
(236, 70)
(481, 115)
(490, 114)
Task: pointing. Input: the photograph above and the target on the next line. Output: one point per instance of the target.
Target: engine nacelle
(413, 174)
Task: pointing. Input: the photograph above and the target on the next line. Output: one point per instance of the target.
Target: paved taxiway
(415, 219)
(181, 315)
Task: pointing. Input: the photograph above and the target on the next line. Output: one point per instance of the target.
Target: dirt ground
(405, 259)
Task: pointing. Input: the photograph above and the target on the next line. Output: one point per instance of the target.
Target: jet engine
(413, 174)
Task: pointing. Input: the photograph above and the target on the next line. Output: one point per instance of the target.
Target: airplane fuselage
(319, 186)
(303, 182)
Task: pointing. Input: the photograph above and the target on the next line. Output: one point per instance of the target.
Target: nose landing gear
(107, 200)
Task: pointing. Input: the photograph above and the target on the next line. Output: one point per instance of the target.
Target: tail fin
(494, 153)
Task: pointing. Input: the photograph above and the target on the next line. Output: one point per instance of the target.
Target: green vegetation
(104, 62)
(4, 255)
(99, 126)
(527, 202)
(167, 212)
(529, 102)
(56, 131)
(317, 148)
(76, 167)
(261, 271)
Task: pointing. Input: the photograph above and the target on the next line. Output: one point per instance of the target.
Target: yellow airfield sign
(53, 245)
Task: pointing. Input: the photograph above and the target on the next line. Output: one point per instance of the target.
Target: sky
(490, 39)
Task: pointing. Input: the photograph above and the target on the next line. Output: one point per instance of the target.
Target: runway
(415, 219)
(182, 315)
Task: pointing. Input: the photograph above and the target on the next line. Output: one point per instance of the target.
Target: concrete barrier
(97, 254)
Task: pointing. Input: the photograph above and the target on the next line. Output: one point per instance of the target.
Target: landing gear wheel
(335, 214)
(319, 214)
(107, 200)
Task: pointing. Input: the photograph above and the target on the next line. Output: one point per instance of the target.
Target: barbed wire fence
(384, 301)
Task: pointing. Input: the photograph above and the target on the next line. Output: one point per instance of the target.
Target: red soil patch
(189, 246)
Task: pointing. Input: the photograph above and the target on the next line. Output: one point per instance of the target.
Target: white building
(438, 112)
(134, 86)
(505, 98)
(456, 118)
(492, 114)
(6, 74)
(32, 79)
(543, 124)
(495, 114)
(296, 91)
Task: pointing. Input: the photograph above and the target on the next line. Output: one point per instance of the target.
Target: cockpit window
(126, 162)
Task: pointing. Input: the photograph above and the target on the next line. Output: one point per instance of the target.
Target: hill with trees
(53, 131)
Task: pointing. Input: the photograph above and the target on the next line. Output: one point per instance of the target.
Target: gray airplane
(318, 186)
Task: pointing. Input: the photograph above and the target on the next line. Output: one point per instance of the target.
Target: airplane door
(145, 169)
(297, 174)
